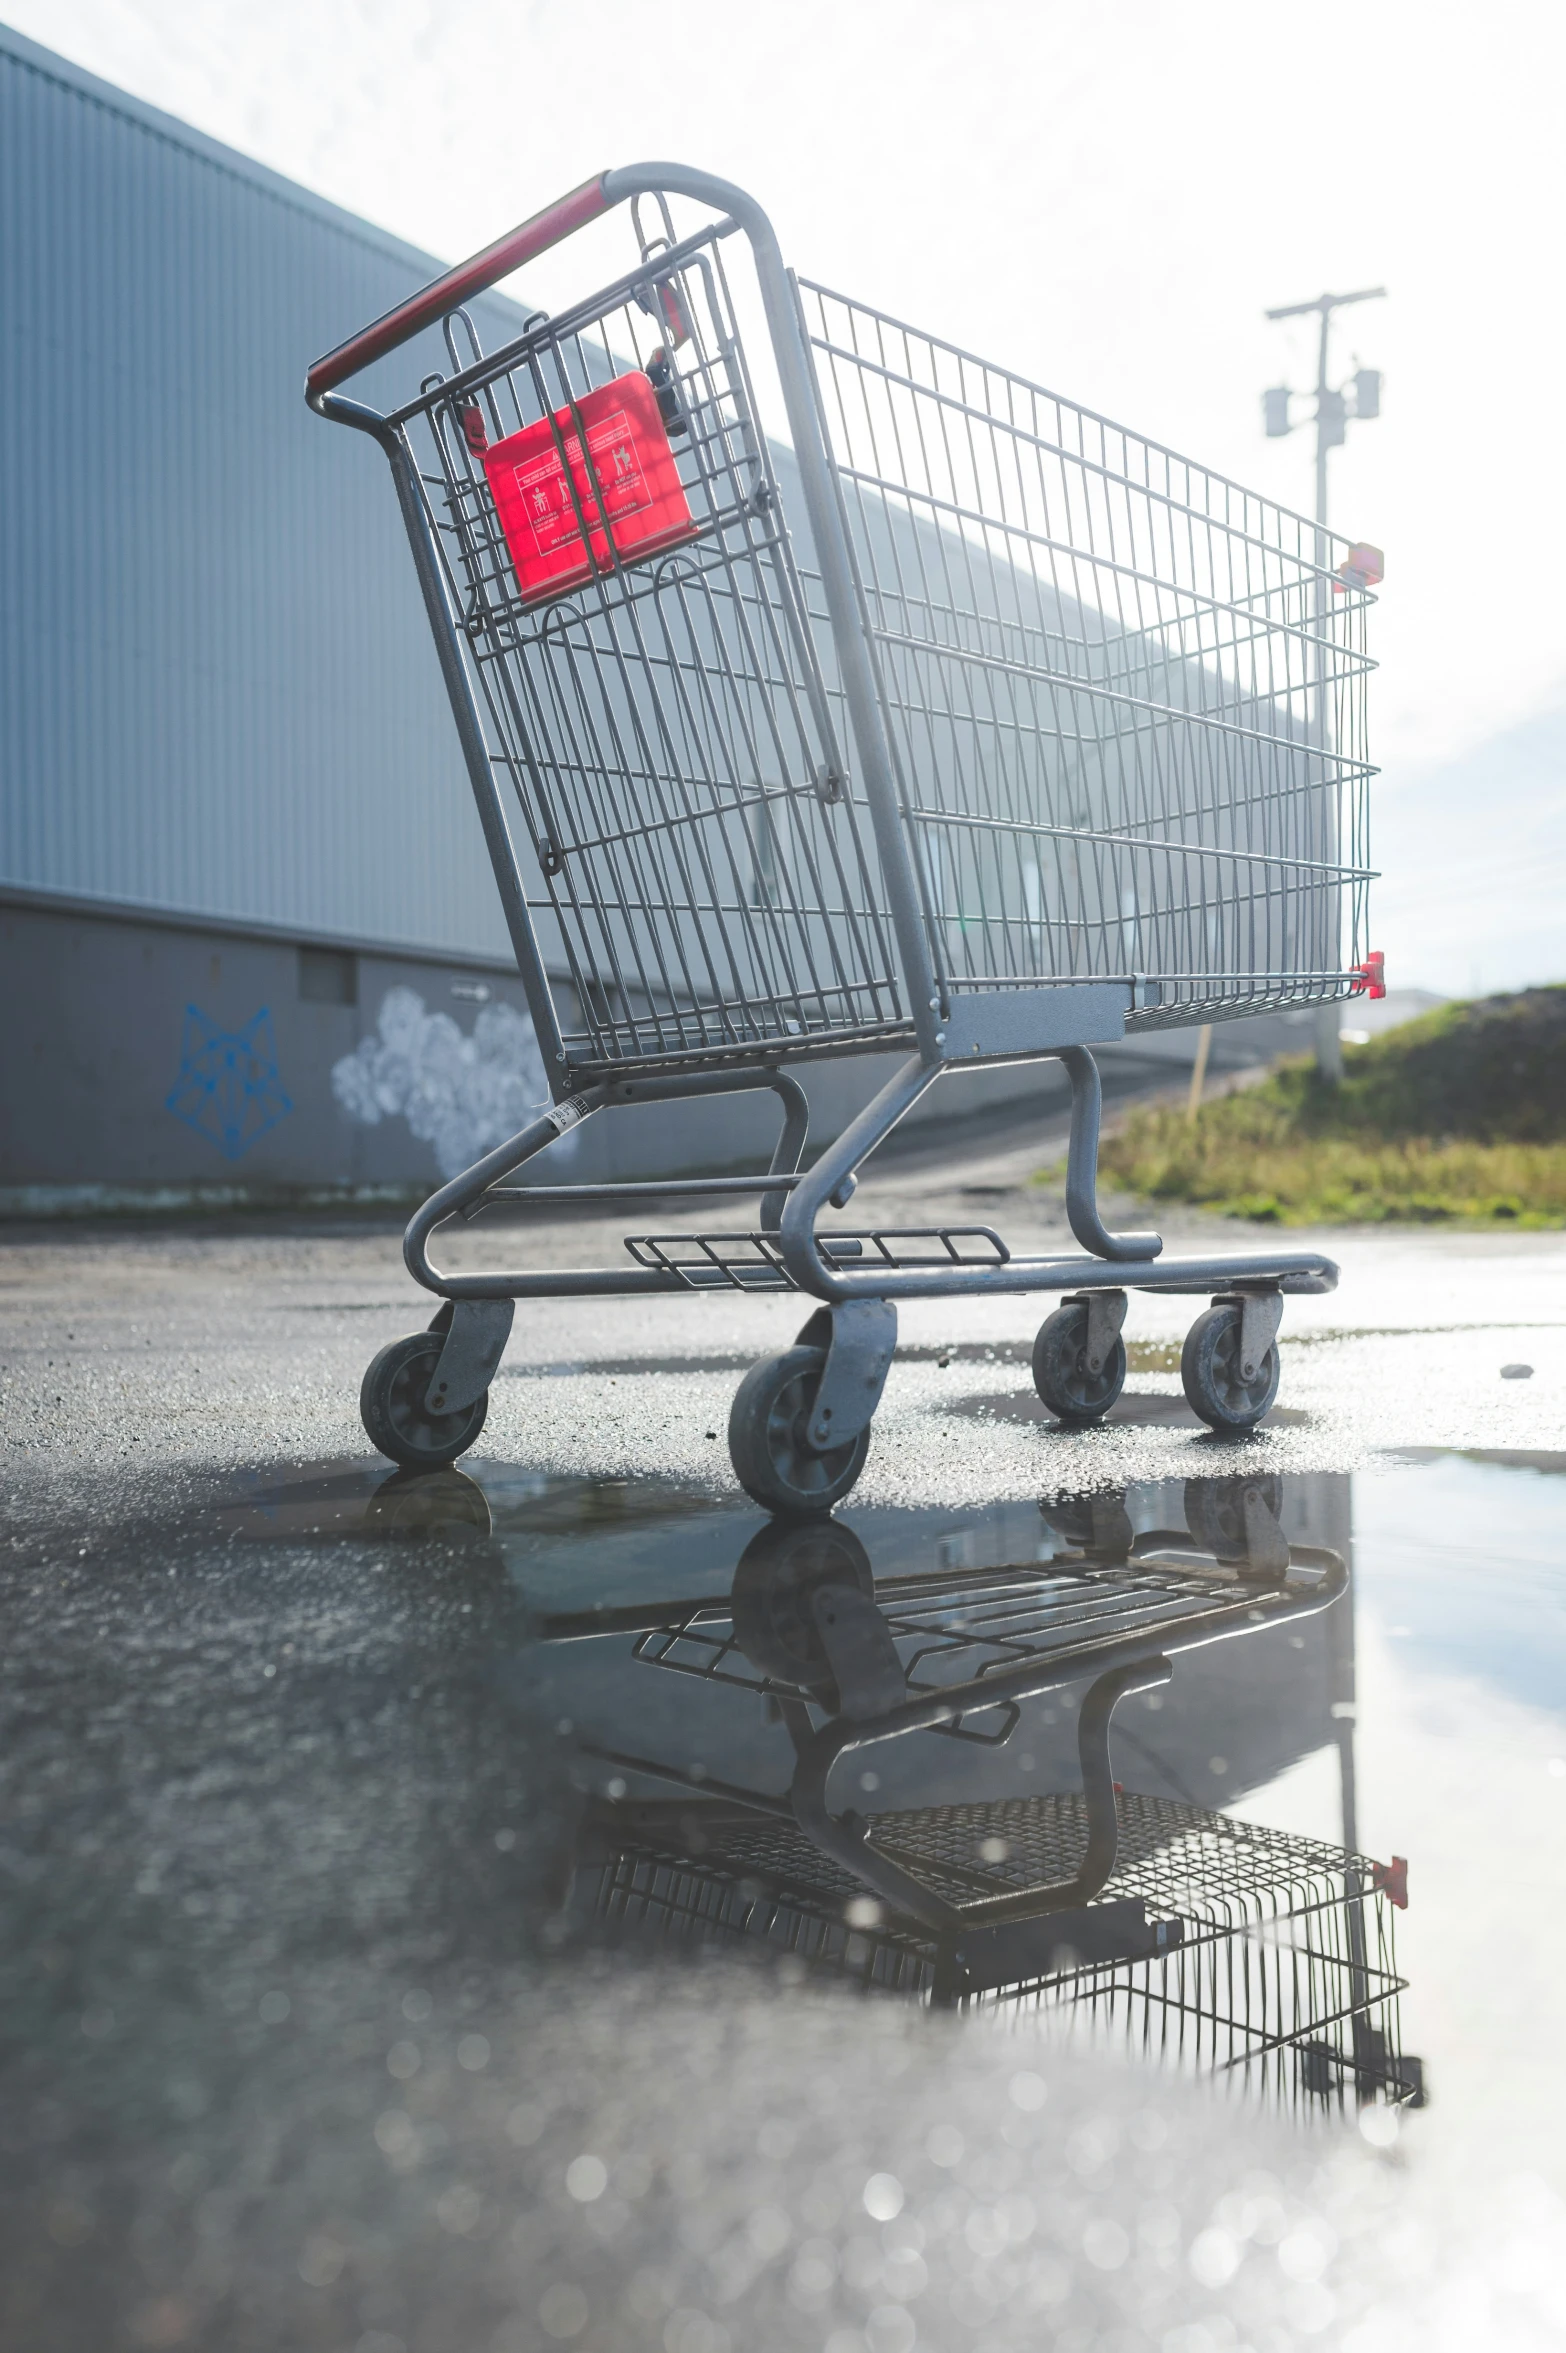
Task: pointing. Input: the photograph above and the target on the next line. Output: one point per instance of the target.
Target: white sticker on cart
(568, 1114)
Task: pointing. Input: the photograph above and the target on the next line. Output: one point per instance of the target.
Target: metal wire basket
(1127, 700)
(1124, 698)
(823, 689)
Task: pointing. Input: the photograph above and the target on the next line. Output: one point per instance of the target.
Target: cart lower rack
(870, 698)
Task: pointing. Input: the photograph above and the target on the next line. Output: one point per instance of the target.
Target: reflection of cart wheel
(435, 1503)
(1060, 1370)
(768, 1444)
(1215, 1512)
(1098, 1525)
(392, 1408)
(1113, 1534)
(1071, 1518)
(780, 1571)
(1210, 1373)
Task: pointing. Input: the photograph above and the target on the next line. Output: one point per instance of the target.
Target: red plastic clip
(1371, 977)
(1391, 1880)
(1363, 567)
(473, 428)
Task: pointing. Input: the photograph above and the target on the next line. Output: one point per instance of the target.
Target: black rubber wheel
(392, 1409)
(773, 1460)
(1210, 1373)
(1060, 1372)
(780, 1572)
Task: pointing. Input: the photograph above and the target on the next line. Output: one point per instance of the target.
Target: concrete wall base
(161, 1064)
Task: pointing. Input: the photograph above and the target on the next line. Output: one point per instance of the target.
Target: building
(250, 945)
(236, 843)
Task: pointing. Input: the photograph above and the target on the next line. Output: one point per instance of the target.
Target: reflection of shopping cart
(1270, 1957)
(1286, 1969)
(848, 1664)
(972, 726)
(1210, 1938)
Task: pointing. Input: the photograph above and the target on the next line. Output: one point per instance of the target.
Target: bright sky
(1105, 196)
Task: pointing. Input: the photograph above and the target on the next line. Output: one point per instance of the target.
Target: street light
(1331, 420)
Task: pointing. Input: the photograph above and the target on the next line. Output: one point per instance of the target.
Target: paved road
(192, 1346)
(303, 2048)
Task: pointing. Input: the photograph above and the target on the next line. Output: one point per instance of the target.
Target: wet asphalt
(411, 1941)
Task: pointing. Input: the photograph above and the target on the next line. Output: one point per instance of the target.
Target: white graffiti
(462, 1094)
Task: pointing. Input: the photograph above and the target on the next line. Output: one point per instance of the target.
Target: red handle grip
(432, 302)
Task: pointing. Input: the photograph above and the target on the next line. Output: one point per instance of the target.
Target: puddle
(471, 1842)
(1145, 1409)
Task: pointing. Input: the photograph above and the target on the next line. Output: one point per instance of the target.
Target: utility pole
(1331, 422)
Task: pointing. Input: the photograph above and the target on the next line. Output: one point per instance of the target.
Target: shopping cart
(946, 717)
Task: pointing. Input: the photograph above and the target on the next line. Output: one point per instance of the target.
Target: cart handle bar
(432, 302)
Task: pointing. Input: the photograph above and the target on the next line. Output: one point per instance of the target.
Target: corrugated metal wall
(217, 688)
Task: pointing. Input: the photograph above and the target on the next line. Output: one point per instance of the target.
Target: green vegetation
(1458, 1117)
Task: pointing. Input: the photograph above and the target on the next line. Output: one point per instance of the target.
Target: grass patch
(1457, 1118)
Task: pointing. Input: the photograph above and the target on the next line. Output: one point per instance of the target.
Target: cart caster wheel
(767, 1442)
(392, 1409)
(1210, 1373)
(1060, 1373)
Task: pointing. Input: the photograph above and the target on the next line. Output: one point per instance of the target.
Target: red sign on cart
(643, 500)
